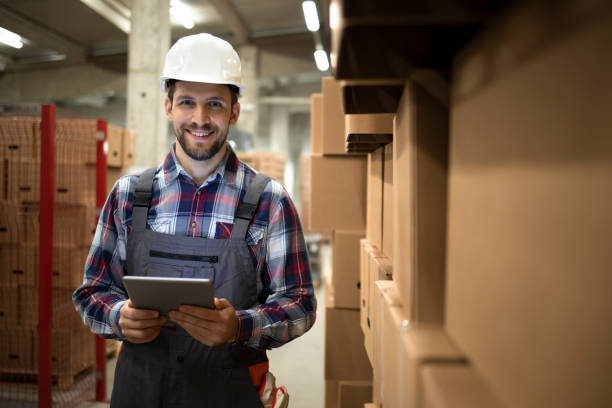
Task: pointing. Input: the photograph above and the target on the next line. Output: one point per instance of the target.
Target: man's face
(201, 115)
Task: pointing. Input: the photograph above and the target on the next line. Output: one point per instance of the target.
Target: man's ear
(168, 108)
(235, 113)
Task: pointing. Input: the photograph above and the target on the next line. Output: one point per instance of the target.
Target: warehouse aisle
(297, 365)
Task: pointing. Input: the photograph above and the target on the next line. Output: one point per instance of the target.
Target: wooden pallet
(27, 378)
(22, 393)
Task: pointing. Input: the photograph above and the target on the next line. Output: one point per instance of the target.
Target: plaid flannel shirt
(180, 207)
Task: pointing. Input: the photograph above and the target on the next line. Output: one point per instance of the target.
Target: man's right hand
(139, 325)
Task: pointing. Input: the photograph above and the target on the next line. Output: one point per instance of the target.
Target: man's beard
(200, 154)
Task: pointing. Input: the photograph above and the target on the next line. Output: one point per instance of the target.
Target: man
(200, 201)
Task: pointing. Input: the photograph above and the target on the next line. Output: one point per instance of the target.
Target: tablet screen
(166, 294)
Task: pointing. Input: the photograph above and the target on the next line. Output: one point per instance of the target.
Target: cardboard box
(345, 268)
(9, 307)
(454, 386)
(16, 350)
(330, 296)
(368, 124)
(74, 183)
(64, 315)
(374, 210)
(3, 184)
(379, 268)
(74, 224)
(387, 202)
(528, 276)
(114, 140)
(345, 356)
(338, 193)
(407, 348)
(19, 266)
(20, 138)
(128, 148)
(420, 160)
(333, 117)
(316, 123)
(10, 233)
(16, 267)
(364, 292)
(23, 179)
(331, 394)
(365, 323)
(72, 351)
(384, 295)
(304, 193)
(353, 394)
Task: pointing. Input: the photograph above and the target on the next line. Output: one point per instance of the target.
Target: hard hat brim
(164, 88)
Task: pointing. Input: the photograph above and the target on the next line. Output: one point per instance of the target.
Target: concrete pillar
(249, 101)
(149, 41)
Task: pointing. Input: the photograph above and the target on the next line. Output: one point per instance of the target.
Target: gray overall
(175, 370)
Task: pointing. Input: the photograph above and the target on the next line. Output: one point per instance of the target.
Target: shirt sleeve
(102, 294)
(290, 308)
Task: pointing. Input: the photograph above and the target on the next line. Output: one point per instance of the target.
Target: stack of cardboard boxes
(73, 351)
(271, 164)
(386, 210)
(120, 156)
(74, 225)
(484, 270)
(337, 208)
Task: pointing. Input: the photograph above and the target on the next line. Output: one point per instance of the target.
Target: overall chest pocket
(175, 265)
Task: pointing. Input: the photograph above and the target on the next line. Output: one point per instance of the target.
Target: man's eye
(186, 102)
(215, 104)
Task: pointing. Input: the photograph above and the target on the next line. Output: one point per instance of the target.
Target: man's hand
(139, 325)
(211, 327)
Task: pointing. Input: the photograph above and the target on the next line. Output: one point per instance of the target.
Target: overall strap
(246, 209)
(142, 199)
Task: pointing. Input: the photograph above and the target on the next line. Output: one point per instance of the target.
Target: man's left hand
(211, 327)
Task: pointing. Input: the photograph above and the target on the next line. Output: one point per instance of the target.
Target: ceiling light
(182, 14)
(310, 15)
(10, 38)
(320, 57)
(334, 16)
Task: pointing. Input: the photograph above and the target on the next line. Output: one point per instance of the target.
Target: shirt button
(199, 192)
(193, 224)
(180, 359)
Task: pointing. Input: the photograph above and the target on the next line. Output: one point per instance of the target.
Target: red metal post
(100, 198)
(45, 253)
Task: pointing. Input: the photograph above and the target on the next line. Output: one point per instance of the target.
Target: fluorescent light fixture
(182, 14)
(320, 57)
(310, 15)
(10, 38)
(334, 16)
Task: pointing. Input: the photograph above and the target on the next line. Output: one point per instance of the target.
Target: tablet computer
(166, 294)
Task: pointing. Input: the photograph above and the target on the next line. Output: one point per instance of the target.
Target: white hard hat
(202, 58)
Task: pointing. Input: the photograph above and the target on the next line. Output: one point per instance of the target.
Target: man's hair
(171, 84)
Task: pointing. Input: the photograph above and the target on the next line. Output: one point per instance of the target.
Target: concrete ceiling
(59, 33)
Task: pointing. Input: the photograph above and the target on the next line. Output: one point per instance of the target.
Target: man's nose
(201, 115)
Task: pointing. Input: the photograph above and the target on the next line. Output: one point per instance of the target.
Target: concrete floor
(297, 365)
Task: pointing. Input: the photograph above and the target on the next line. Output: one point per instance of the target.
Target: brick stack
(74, 225)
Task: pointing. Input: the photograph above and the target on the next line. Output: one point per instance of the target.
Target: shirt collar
(226, 170)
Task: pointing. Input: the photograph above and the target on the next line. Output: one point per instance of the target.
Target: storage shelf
(372, 96)
(388, 39)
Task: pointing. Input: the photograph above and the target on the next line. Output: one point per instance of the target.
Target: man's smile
(200, 133)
